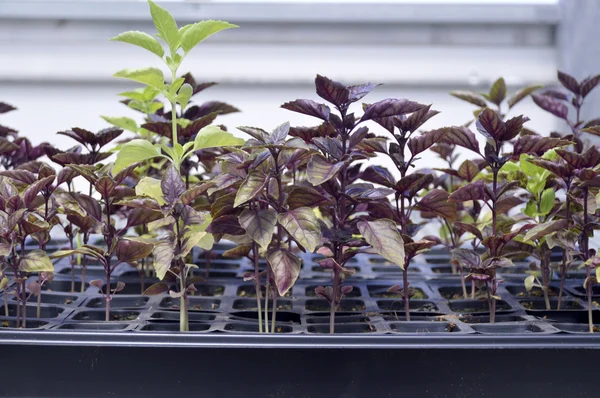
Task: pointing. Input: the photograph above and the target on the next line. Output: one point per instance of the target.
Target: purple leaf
(390, 107)
(4, 107)
(172, 185)
(537, 145)
(105, 186)
(588, 84)
(193, 128)
(303, 226)
(385, 239)
(470, 97)
(551, 105)
(331, 91)
(251, 187)
(467, 258)
(472, 191)
(259, 225)
(300, 196)
(320, 170)
(416, 119)
(196, 112)
(157, 288)
(129, 251)
(490, 125)
(356, 93)
(425, 141)
(461, 136)
(569, 82)
(378, 175)
(468, 170)
(140, 215)
(308, 107)
(436, 202)
(286, 269)
(228, 224)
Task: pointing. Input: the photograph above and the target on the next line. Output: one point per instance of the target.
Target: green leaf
(3, 282)
(165, 25)
(529, 168)
(251, 186)
(213, 137)
(141, 39)
(190, 240)
(149, 186)
(529, 282)
(259, 225)
(132, 152)
(36, 261)
(286, 269)
(497, 91)
(302, 224)
(198, 32)
(385, 239)
(521, 94)
(150, 76)
(540, 231)
(125, 123)
(597, 273)
(163, 253)
(184, 95)
(547, 201)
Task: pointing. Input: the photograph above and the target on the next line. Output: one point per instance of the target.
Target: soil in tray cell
(475, 306)
(203, 290)
(174, 316)
(476, 319)
(536, 304)
(281, 316)
(250, 291)
(380, 291)
(347, 305)
(62, 286)
(250, 304)
(456, 293)
(118, 302)
(45, 311)
(100, 326)
(31, 324)
(310, 291)
(394, 269)
(50, 298)
(196, 303)
(324, 318)
(536, 292)
(101, 315)
(415, 305)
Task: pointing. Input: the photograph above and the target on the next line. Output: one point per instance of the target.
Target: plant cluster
(179, 183)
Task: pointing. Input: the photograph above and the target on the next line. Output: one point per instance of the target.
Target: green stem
(267, 288)
(174, 111)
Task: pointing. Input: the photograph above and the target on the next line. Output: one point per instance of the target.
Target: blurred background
(56, 60)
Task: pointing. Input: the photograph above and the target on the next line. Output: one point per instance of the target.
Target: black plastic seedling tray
(447, 349)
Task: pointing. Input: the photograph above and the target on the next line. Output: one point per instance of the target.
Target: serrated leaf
(286, 269)
(303, 226)
(141, 39)
(134, 151)
(198, 32)
(259, 225)
(385, 239)
(150, 76)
